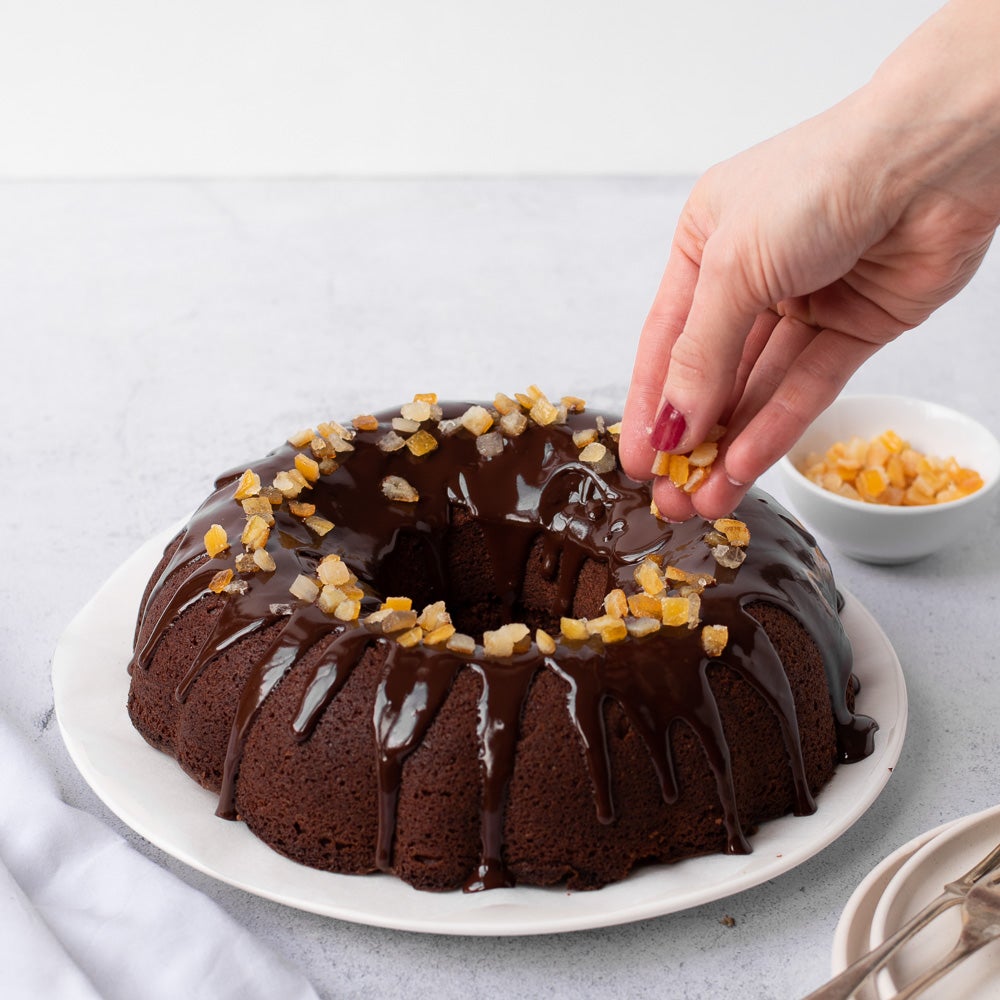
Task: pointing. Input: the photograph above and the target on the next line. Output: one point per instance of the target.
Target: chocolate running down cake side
(454, 642)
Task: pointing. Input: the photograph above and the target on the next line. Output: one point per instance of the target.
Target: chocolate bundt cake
(455, 643)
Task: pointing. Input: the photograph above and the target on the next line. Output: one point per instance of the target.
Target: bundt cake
(456, 643)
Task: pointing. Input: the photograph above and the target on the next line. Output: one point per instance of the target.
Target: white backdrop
(242, 88)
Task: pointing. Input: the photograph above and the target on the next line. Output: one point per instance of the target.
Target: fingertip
(719, 499)
(671, 504)
(718, 496)
(636, 458)
(747, 458)
(635, 452)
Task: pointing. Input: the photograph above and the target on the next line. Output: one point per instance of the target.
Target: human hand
(796, 261)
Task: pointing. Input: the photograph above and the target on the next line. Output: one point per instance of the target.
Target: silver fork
(980, 925)
(843, 985)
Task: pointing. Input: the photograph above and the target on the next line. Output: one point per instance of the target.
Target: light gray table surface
(156, 333)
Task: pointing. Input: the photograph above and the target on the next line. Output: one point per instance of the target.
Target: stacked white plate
(901, 886)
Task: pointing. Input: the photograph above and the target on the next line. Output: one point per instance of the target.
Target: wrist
(934, 108)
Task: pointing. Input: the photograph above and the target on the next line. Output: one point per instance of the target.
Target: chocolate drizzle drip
(505, 687)
(536, 489)
(407, 701)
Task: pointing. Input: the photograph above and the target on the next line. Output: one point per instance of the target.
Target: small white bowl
(882, 534)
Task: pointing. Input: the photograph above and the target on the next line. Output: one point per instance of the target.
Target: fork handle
(842, 986)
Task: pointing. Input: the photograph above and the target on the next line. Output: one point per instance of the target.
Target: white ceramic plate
(918, 881)
(852, 939)
(150, 793)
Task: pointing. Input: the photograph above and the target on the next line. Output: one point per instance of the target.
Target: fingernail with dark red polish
(668, 429)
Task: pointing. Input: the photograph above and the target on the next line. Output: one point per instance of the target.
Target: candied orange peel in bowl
(887, 470)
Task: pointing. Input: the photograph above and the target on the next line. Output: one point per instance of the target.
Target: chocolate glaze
(536, 488)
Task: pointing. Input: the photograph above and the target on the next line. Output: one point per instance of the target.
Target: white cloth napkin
(83, 916)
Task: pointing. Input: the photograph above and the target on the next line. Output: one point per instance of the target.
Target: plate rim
(94, 650)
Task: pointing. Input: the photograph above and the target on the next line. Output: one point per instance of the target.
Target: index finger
(705, 357)
(663, 325)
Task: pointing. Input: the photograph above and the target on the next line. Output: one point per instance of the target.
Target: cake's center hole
(491, 574)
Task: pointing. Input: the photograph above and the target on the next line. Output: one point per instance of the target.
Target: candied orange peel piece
(645, 606)
(264, 560)
(260, 506)
(301, 438)
(736, 531)
(365, 422)
(440, 635)
(506, 640)
(477, 420)
(421, 443)
(330, 598)
(320, 525)
(411, 637)
(397, 488)
(649, 577)
(398, 603)
(608, 628)
(307, 467)
(616, 603)
(574, 629)
(305, 588)
(675, 611)
(216, 541)
(333, 571)
(419, 410)
(461, 643)
(255, 533)
(220, 581)
(714, 639)
(545, 643)
(248, 486)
